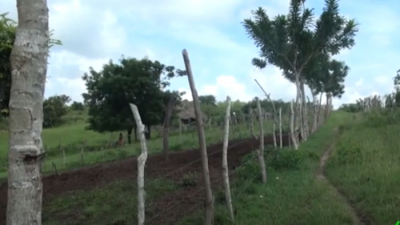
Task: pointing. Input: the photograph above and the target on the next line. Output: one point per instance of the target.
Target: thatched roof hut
(186, 112)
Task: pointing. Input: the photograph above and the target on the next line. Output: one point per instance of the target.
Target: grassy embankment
(292, 195)
(366, 166)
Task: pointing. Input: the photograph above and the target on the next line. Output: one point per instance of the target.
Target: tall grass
(292, 194)
(366, 165)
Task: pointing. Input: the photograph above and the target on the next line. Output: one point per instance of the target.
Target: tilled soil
(179, 163)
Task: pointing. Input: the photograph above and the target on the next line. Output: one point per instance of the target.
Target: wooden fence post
(209, 204)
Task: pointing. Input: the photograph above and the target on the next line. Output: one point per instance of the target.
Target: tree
(77, 106)
(292, 41)
(7, 36)
(53, 109)
(171, 100)
(140, 82)
(396, 82)
(28, 74)
(208, 99)
(324, 75)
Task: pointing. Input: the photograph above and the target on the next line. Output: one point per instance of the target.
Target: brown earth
(179, 164)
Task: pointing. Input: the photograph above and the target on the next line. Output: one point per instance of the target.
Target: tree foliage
(110, 90)
(7, 35)
(77, 106)
(294, 42)
(207, 99)
(53, 109)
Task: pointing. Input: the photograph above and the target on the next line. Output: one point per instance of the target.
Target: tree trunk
(327, 106)
(28, 73)
(209, 203)
(280, 127)
(292, 131)
(228, 198)
(298, 110)
(304, 111)
(129, 134)
(148, 133)
(319, 110)
(315, 113)
(260, 151)
(167, 120)
(252, 123)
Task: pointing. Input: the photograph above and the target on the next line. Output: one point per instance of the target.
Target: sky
(93, 32)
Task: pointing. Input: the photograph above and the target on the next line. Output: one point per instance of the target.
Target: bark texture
(292, 131)
(225, 168)
(166, 125)
(260, 151)
(209, 204)
(25, 155)
(141, 164)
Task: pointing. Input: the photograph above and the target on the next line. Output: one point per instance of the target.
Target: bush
(189, 179)
(287, 159)
(346, 153)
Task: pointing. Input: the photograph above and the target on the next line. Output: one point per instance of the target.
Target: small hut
(186, 113)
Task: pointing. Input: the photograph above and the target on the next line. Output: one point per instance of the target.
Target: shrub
(189, 179)
(287, 159)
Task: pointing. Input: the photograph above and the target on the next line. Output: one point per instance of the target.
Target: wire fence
(163, 214)
(66, 156)
(237, 131)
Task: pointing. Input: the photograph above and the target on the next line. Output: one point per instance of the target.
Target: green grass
(292, 194)
(365, 166)
(72, 135)
(113, 204)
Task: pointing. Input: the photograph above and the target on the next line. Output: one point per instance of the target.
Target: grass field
(292, 194)
(366, 166)
(72, 136)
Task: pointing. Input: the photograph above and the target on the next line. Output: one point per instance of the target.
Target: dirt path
(356, 216)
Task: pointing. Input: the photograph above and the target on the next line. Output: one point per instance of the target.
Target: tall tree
(207, 99)
(28, 73)
(53, 109)
(171, 100)
(140, 82)
(291, 41)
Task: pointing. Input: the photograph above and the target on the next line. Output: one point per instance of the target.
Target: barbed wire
(195, 161)
(231, 173)
(77, 214)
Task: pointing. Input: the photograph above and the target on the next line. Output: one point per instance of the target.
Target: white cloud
(71, 87)
(359, 82)
(224, 85)
(95, 31)
(273, 82)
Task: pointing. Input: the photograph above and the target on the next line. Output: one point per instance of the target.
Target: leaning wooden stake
(292, 134)
(280, 127)
(260, 151)
(275, 112)
(209, 204)
(141, 164)
(225, 159)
